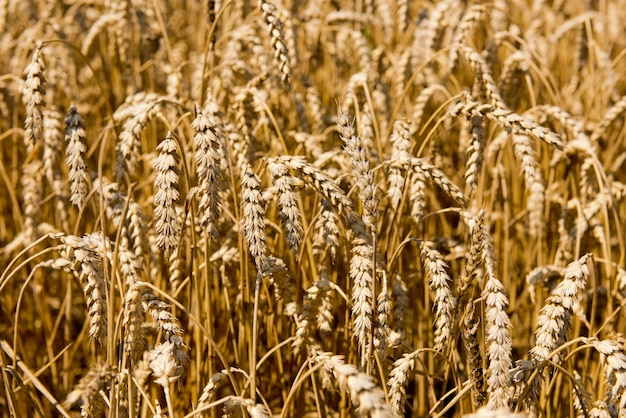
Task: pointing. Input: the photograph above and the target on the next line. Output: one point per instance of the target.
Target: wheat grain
(419, 105)
(568, 121)
(367, 134)
(167, 361)
(600, 409)
(133, 227)
(384, 337)
(401, 18)
(314, 108)
(553, 321)
(208, 140)
(401, 307)
(427, 33)
(417, 194)
(582, 398)
(483, 77)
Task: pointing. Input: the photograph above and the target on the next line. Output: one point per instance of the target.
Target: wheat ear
(365, 395)
(167, 195)
(87, 254)
(316, 313)
(75, 156)
(554, 319)
(88, 391)
(613, 359)
(533, 181)
(364, 176)
(497, 324)
(424, 169)
(32, 192)
(444, 301)
(51, 152)
(512, 122)
(287, 203)
(326, 236)
(253, 208)
(208, 140)
(33, 98)
(210, 389)
(611, 115)
(475, 150)
(275, 28)
(399, 162)
(129, 145)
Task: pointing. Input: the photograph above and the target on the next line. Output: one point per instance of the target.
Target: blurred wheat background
(312, 209)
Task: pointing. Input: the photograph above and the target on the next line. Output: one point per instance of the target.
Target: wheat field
(312, 209)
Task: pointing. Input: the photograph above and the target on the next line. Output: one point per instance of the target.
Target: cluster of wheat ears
(312, 208)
